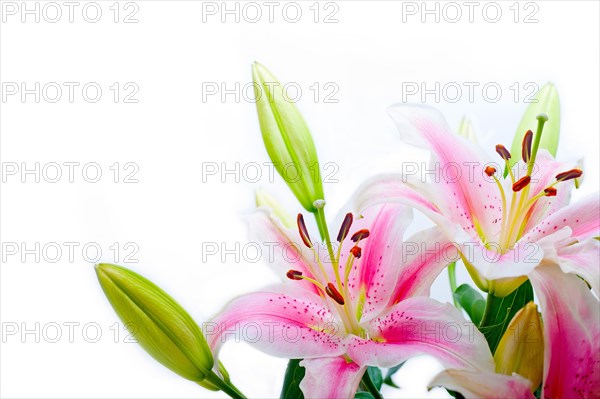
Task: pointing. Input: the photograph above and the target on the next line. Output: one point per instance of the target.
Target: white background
(170, 132)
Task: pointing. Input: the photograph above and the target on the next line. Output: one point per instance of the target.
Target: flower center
(337, 290)
(514, 220)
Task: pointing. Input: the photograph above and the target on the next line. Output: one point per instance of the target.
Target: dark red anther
(570, 174)
(356, 251)
(345, 228)
(526, 149)
(550, 192)
(303, 231)
(334, 293)
(521, 183)
(490, 170)
(503, 152)
(294, 274)
(360, 234)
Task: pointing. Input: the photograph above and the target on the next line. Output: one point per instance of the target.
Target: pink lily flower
(367, 307)
(503, 227)
(510, 230)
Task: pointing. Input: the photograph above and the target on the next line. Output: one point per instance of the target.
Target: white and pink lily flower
(509, 230)
(503, 227)
(367, 307)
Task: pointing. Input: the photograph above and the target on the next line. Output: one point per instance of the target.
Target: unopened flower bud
(521, 348)
(161, 326)
(265, 199)
(287, 138)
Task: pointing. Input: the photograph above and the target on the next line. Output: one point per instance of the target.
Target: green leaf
(291, 383)
(471, 301)
(363, 395)
(376, 376)
(547, 103)
(388, 376)
(455, 394)
(500, 311)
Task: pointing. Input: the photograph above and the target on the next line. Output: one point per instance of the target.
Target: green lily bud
(263, 198)
(466, 130)
(161, 326)
(287, 138)
(546, 102)
(521, 348)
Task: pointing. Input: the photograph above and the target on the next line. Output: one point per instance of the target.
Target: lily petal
(583, 217)
(507, 269)
(424, 256)
(469, 196)
(294, 326)
(422, 326)
(571, 317)
(330, 378)
(393, 188)
(372, 277)
(582, 259)
(484, 384)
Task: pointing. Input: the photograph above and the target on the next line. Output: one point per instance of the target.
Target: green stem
(229, 389)
(452, 278)
(366, 379)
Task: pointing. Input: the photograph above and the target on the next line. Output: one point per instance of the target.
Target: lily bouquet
(351, 304)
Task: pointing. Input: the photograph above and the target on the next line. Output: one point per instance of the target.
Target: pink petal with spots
(468, 194)
(373, 276)
(571, 317)
(284, 247)
(330, 378)
(484, 384)
(583, 217)
(422, 326)
(282, 325)
(424, 256)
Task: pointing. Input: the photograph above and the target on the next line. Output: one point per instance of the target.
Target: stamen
(345, 228)
(550, 192)
(297, 275)
(568, 175)
(490, 170)
(503, 196)
(503, 152)
(356, 251)
(334, 293)
(294, 274)
(521, 183)
(526, 146)
(360, 234)
(303, 231)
